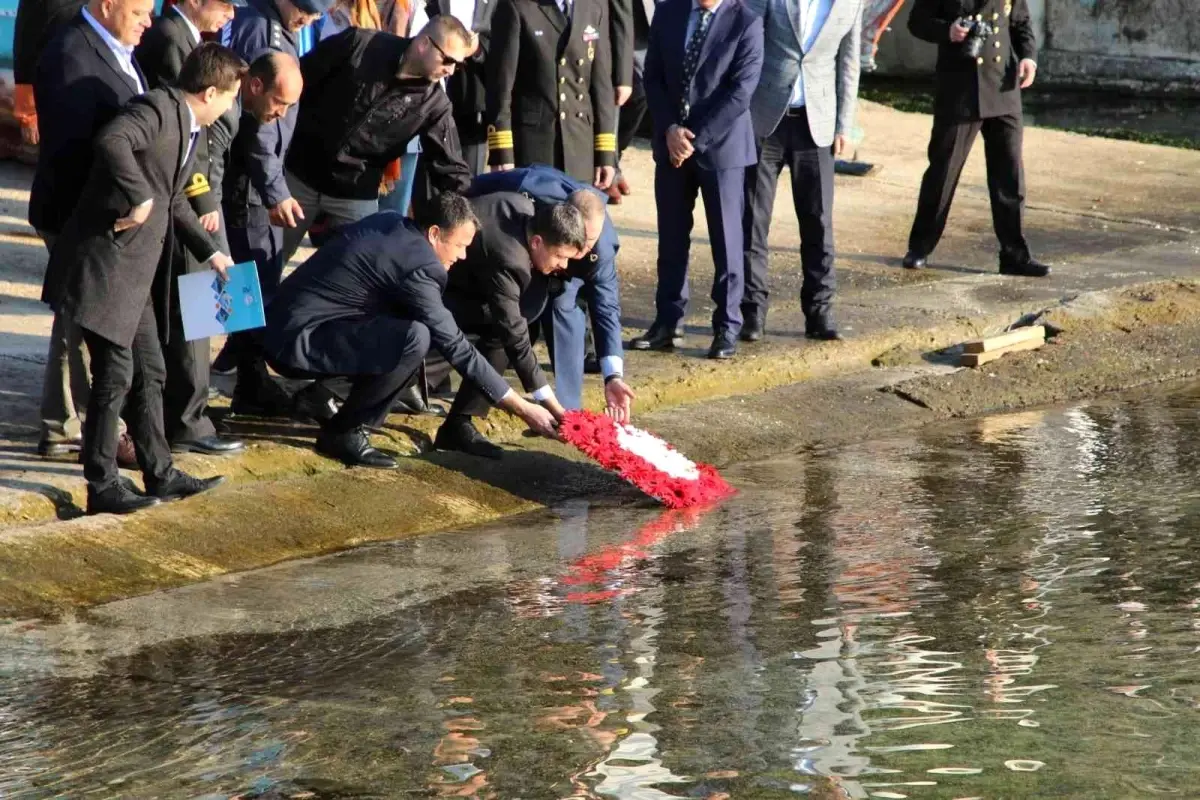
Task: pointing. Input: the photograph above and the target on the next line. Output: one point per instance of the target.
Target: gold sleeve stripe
(500, 140)
(197, 186)
(606, 142)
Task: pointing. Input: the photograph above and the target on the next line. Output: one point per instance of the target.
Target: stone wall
(1128, 44)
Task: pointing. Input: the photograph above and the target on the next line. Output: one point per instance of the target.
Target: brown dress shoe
(126, 454)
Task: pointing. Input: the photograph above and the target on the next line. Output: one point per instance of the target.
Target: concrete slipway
(1118, 220)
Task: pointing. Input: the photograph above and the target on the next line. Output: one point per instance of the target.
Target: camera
(978, 32)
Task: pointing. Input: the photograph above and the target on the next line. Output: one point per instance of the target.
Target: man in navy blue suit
(593, 276)
(702, 66)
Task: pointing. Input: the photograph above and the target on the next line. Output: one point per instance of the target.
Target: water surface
(1007, 608)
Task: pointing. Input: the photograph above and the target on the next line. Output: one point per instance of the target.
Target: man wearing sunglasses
(366, 94)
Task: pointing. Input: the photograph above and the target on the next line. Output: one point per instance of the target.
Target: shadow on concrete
(64, 504)
(535, 475)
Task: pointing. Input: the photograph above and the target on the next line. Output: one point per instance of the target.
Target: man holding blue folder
(106, 260)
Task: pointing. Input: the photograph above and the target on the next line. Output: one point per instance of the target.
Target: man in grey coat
(803, 110)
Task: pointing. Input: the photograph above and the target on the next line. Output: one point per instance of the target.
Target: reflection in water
(1008, 608)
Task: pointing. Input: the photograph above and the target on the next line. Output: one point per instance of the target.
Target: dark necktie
(691, 60)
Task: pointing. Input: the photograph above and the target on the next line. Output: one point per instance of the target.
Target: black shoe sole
(124, 511)
(170, 498)
(204, 451)
(658, 346)
(721, 356)
(752, 336)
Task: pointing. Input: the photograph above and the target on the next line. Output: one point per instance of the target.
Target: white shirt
(464, 12)
(190, 26)
(813, 14)
(194, 134)
(123, 52)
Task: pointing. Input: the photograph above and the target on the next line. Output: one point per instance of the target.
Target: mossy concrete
(1105, 231)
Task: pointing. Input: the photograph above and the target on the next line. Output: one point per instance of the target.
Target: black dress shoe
(316, 402)
(820, 327)
(458, 433)
(914, 260)
(353, 448)
(178, 485)
(754, 326)
(208, 445)
(724, 346)
(1029, 268)
(121, 498)
(591, 364)
(410, 401)
(659, 337)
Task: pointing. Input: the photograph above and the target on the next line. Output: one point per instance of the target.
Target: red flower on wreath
(598, 437)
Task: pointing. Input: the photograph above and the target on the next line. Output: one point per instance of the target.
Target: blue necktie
(691, 60)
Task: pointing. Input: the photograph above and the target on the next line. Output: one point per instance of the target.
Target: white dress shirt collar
(123, 52)
(190, 25)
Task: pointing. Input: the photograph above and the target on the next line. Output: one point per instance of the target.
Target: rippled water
(1007, 608)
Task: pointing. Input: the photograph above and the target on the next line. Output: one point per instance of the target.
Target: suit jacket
(379, 267)
(161, 54)
(986, 86)
(79, 88)
(467, 87)
(622, 35)
(550, 87)
(496, 285)
(829, 69)
(731, 60)
(37, 22)
(107, 277)
(596, 273)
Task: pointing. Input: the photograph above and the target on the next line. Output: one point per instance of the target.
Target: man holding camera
(986, 56)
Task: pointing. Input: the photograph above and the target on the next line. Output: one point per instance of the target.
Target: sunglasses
(447, 61)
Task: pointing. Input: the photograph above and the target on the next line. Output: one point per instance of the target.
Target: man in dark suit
(702, 65)
(161, 54)
(85, 75)
(976, 91)
(366, 94)
(550, 92)
(367, 306)
(592, 276)
(501, 285)
(257, 204)
(131, 209)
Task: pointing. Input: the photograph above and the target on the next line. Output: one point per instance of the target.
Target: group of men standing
(164, 154)
(738, 89)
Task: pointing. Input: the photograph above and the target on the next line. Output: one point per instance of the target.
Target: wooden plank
(1005, 339)
(977, 359)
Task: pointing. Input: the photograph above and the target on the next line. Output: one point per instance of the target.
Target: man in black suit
(131, 209)
(161, 54)
(368, 306)
(978, 90)
(85, 75)
(502, 284)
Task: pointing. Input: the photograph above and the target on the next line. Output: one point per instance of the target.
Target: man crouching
(367, 306)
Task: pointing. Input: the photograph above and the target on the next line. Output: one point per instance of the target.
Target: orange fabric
(24, 108)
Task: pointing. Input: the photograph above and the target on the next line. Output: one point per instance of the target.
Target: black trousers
(185, 395)
(791, 144)
(372, 394)
(132, 378)
(949, 145)
(631, 114)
